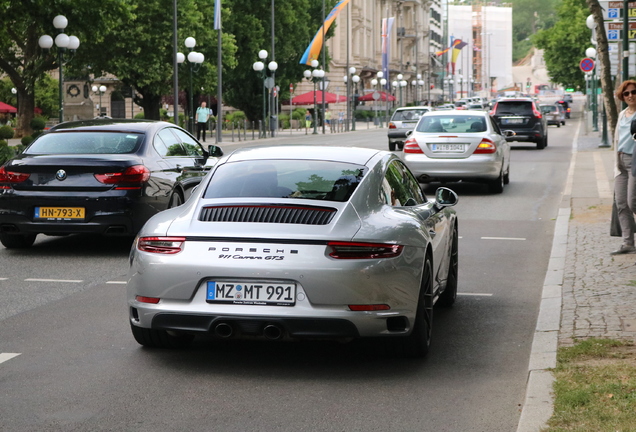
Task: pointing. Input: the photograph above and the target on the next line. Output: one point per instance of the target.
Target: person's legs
(624, 187)
(198, 131)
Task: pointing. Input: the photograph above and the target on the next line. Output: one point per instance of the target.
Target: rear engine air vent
(304, 215)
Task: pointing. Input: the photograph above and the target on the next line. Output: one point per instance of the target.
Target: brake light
(134, 175)
(392, 125)
(411, 146)
(12, 177)
(486, 146)
(568, 109)
(161, 245)
(151, 300)
(494, 109)
(536, 113)
(354, 250)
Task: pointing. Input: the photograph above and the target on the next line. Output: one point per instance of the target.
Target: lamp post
(374, 83)
(268, 83)
(449, 80)
(14, 91)
(461, 85)
(101, 89)
(591, 53)
(194, 63)
(386, 98)
(63, 43)
(352, 86)
(314, 76)
(400, 78)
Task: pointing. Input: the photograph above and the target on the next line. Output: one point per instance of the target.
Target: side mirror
(214, 151)
(408, 133)
(444, 197)
(509, 133)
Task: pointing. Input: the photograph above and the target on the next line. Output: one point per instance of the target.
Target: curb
(538, 405)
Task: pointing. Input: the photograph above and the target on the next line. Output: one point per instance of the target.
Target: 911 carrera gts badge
(60, 175)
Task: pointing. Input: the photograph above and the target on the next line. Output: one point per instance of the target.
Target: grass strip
(595, 387)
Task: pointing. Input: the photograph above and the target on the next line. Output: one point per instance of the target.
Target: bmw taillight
(392, 125)
(161, 245)
(411, 146)
(12, 177)
(132, 177)
(486, 146)
(355, 250)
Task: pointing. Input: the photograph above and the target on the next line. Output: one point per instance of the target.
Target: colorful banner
(458, 44)
(313, 50)
(387, 24)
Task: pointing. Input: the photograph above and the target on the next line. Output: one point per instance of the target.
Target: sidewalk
(587, 292)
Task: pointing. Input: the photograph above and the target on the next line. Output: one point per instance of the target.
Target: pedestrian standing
(308, 119)
(203, 115)
(328, 120)
(624, 183)
(341, 119)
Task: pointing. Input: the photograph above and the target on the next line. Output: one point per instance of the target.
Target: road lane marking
(602, 183)
(7, 356)
(4, 278)
(53, 280)
(474, 294)
(116, 282)
(503, 238)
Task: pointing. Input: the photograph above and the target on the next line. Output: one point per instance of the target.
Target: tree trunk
(602, 55)
(26, 105)
(151, 104)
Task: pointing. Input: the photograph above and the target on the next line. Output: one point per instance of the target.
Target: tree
(564, 44)
(22, 60)
(529, 17)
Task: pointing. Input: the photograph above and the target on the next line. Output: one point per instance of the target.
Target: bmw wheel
(448, 297)
(17, 241)
(160, 338)
(417, 344)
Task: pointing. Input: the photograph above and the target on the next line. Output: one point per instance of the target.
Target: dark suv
(522, 116)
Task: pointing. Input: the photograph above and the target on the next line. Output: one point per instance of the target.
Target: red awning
(308, 98)
(6, 108)
(383, 96)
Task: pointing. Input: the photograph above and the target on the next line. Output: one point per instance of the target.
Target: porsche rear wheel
(160, 338)
(416, 345)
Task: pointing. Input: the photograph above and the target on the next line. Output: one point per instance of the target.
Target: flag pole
(219, 70)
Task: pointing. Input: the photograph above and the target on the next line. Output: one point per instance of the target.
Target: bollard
(253, 136)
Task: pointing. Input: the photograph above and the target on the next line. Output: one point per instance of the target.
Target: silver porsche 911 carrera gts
(292, 242)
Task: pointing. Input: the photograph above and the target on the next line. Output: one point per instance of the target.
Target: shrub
(236, 116)
(6, 132)
(26, 140)
(38, 123)
(36, 134)
(283, 120)
(139, 115)
(6, 152)
(17, 149)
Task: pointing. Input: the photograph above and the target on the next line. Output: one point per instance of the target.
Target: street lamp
(449, 80)
(353, 88)
(195, 59)
(63, 43)
(314, 76)
(461, 86)
(591, 53)
(14, 91)
(420, 84)
(268, 83)
(400, 78)
(386, 105)
(101, 89)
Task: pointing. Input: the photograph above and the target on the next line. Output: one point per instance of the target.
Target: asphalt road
(63, 311)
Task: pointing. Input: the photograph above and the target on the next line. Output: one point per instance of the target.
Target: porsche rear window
(301, 179)
(98, 142)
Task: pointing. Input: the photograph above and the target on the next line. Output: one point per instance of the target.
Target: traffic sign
(614, 31)
(587, 64)
(614, 10)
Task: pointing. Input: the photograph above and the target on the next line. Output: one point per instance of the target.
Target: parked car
(566, 107)
(403, 120)
(459, 145)
(554, 114)
(522, 116)
(475, 106)
(105, 176)
(562, 113)
(297, 242)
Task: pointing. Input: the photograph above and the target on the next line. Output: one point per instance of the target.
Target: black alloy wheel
(17, 241)
(448, 297)
(175, 199)
(160, 338)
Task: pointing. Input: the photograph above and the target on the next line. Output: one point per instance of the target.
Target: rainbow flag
(313, 50)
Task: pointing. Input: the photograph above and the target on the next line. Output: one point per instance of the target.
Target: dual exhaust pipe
(225, 330)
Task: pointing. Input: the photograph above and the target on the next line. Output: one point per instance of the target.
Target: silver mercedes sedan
(459, 145)
(292, 242)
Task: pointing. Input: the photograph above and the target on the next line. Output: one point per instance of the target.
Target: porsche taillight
(486, 146)
(356, 250)
(411, 146)
(132, 177)
(161, 245)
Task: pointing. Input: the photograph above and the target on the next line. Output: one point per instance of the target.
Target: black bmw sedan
(103, 176)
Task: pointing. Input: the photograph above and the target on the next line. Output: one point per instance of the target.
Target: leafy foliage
(529, 17)
(564, 44)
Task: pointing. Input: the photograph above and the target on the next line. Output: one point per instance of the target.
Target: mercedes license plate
(59, 213)
(457, 148)
(251, 293)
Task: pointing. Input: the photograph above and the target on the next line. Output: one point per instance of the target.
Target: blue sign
(613, 34)
(613, 13)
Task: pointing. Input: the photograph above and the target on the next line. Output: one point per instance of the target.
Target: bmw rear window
(301, 179)
(98, 142)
